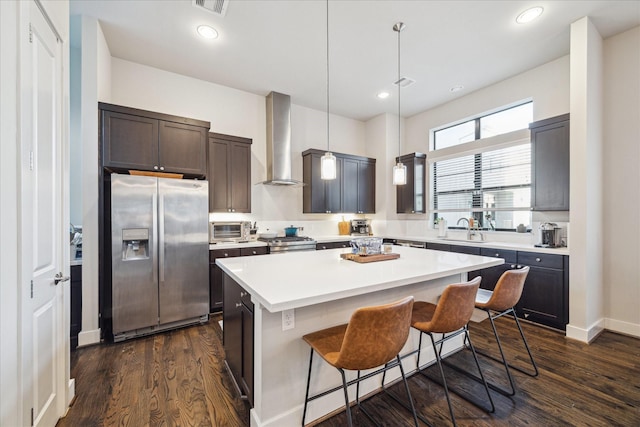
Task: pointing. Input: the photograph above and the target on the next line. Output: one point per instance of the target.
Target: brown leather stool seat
(373, 337)
(450, 316)
(499, 302)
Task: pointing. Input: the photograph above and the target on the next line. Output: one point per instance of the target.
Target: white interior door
(42, 220)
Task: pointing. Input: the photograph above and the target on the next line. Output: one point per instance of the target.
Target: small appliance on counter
(549, 235)
(361, 227)
(292, 231)
(229, 232)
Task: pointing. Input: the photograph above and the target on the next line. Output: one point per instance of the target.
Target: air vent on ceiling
(404, 82)
(218, 7)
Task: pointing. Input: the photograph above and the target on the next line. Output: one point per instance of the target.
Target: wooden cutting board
(369, 258)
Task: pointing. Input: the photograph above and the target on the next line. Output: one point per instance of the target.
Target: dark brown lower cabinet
(332, 245)
(216, 302)
(76, 305)
(237, 336)
(545, 297)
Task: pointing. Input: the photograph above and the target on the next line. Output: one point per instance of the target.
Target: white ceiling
(280, 45)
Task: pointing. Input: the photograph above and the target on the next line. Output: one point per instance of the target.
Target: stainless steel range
(288, 244)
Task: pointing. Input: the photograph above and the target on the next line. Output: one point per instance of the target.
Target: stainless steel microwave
(229, 231)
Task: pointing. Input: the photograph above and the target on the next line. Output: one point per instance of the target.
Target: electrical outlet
(288, 319)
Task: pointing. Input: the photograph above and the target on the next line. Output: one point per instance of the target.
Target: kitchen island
(315, 290)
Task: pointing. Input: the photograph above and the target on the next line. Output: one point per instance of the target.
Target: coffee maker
(361, 227)
(550, 235)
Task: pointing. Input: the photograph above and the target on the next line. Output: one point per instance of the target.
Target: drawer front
(223, 253)
(535, 259)
(260, 250)
(438, 246)
(509, 256)
(471, 250)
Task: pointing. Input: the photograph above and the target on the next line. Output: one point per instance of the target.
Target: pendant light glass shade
(328, 169)
(399, 174)
(328, 166)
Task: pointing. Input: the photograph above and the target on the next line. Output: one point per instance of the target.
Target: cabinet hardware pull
(243, 293)
(513, 266)
(155, 168)
(226, 254)
(538, 260)
(254, 252)
(497, 255)
(238, 304)
(161, 168)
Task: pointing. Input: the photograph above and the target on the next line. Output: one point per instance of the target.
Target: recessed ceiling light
(383, 95)
(207, 32)
(456, 88)
(529, 15)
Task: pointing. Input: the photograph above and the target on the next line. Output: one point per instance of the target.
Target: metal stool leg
(444, 380)
(306, 396)
(533, 363)
(346, 397)
(484, 381)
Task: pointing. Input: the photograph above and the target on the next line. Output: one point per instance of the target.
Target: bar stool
(450, 316)
(373, 337)
(499, 302)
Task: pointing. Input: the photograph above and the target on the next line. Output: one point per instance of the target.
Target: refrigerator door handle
(154, 233)
(161, 235)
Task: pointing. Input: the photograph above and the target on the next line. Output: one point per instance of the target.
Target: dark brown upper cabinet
(134, 139)
(229, 173)
(353, 190)
(550, 164)
(359, 185)
(411, 197)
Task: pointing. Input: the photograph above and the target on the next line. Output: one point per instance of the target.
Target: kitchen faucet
(470, 233)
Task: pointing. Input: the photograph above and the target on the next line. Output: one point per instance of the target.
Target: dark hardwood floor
(178, 379)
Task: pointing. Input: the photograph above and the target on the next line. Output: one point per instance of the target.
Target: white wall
(94, 81)
(586, 292)
(547, 85)
(621, 192)
(75, 138)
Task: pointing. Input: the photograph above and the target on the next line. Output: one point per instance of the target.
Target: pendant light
(328, 161)
(399, 170)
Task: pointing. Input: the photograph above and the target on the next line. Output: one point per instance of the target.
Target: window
(487, 179)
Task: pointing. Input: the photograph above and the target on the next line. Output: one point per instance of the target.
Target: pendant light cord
(327, 75)
(399, 29)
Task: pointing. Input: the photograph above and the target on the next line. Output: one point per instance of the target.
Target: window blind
(492, 180)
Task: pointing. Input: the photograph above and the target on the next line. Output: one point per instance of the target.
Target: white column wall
(586, 292)
(95, 81)
(621, 192)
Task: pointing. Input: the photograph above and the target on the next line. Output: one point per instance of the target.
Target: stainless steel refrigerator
(160, 254)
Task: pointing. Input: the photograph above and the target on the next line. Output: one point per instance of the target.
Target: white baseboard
(88, 337)
(585, 335)
(71, 391)
(627, 328)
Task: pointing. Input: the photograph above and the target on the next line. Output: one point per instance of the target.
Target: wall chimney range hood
(279, 141)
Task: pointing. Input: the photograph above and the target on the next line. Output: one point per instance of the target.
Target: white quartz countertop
(298, 279)
(485, 244)
(446, 241)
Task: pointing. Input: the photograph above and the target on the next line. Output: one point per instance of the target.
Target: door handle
(60, 278)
